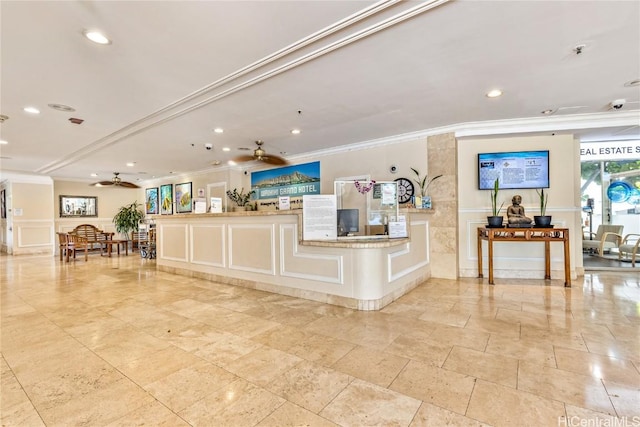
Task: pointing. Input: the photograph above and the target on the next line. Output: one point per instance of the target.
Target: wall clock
(405, 190)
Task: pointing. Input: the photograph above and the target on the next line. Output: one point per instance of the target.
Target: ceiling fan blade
(245, 158)
(128, 184)
(102, 183)
(274, 160)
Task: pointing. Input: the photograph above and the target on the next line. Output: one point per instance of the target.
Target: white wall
(516, 259)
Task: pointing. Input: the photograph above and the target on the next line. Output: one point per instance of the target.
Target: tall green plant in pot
(128, 219)
(542, 220)
(495, 220)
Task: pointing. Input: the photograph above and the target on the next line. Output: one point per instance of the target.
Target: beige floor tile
(188, 385)
(309, 385)
(224, 348)
(612, 347)
(498, 405)
(598, 366)
(263, 365)
(152, 414)
(158, 365)
(625, 399)
(99, 407)
(22, 414)
(462, 337)
(579, 390)
(504, 328)
(365, 404)
(557, 337)
(445, 317)
(426, 351)
(239, 403)
(290, 415)
(523, 317)
(490, 367)
(447, 389)
(539, 352)
(52, 319)
(431, 415)
(195, 337)
(370, 365)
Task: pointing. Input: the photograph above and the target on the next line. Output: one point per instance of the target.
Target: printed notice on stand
(284, 203)
(319, 217)
(397, 229)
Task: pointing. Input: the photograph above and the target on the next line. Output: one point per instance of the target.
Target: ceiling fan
(261, 155)
(116, 181)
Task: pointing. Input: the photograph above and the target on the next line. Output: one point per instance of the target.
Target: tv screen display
(514, 169)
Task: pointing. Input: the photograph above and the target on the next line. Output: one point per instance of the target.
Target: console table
(546, 235)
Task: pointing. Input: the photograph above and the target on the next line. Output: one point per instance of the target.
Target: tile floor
(113, 342)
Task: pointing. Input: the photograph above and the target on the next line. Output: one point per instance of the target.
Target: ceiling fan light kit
(261, 155)
(115, 181)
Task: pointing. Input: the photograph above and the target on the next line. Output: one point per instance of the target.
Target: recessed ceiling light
(295, 131)
(494, 93)
(215, 162)
(31, 110)
(226, 149)
(3, 142)
(632, 83)
(547, 112)
(61, 107)
(97, 37)
(218, 130)
(94, 175)
(131, 164)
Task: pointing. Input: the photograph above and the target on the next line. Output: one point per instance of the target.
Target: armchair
(628, 249)
(607, 237)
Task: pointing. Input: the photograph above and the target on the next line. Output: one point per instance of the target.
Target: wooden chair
(63, 244)
(628, 249)
(77, 243)
(606, 238)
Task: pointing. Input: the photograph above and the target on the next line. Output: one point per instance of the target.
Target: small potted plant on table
(495, 220)
(542, 220)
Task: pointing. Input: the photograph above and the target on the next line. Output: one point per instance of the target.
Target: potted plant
(542, 220)
(128, 218)
(423, 200)
(495, 220)
(240, 198)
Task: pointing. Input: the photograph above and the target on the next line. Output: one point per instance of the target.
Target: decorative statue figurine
(515, 212)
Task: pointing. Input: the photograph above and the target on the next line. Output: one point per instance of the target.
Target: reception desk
(266, 251)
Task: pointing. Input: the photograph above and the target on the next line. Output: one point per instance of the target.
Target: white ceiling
(344, 72)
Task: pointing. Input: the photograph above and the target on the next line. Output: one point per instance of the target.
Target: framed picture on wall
(78, 206)
(151, 201)
(166, 199)
(184, 200)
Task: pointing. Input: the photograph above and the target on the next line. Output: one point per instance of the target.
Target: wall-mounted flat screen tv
(514, 169)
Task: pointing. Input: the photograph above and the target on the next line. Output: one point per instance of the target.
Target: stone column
(442, 151)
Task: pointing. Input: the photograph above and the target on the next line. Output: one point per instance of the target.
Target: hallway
(114, 342)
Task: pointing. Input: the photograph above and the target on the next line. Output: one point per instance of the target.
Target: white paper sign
(319, 217)
(284, 203)
(200, 205)
(397, 229)
(216, 205)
